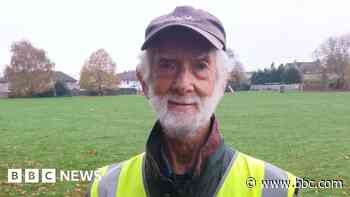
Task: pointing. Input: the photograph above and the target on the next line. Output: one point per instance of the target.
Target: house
(312, 71)
(70, 82)
(315, 76)
(128, 79)
(4, 88)
(308, 67)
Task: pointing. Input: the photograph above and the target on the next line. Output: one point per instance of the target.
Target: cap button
(183, 9)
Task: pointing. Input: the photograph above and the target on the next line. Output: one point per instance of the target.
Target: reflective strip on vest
(246, 175)
(243, 171)
(243, 177)
(123, 179)
(131, 182)
(95, 185)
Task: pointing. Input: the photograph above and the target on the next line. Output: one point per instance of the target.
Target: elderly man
(183, 73)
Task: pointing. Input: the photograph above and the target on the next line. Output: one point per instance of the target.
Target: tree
(30, 71)
(237, 74)
(98, 74)
(347, 75)
(291, 75)
(283, 74)
(274, 74)
(258, 77)
(334, 56)
(279, 73)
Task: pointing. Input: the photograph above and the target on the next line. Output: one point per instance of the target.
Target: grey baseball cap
(199, 21)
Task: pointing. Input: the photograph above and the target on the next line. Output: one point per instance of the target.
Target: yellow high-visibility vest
(244, 177)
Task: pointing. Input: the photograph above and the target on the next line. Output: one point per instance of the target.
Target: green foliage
(291, 75)
(283, 74)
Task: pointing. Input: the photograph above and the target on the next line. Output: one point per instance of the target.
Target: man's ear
(143, 84)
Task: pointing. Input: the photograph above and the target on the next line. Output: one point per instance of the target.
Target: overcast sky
(259, 31)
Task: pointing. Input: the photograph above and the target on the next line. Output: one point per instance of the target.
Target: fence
(277, 87)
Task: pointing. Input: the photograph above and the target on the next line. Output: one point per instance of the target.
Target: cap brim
(212, 39)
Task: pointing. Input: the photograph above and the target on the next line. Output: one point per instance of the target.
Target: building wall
(130, 84)
(72, 85)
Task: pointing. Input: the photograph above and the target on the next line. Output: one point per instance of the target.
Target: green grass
(307, 134)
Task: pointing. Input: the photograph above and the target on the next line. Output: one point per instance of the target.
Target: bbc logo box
(31, 175)
(14, 175)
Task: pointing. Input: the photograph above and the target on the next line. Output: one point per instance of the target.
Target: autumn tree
(334, 57)
(98, 74)
(30, 71)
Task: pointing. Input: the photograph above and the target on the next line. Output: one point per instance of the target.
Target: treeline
(287, 74)
(30, 73)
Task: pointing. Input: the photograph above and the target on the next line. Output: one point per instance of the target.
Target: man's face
(182, 70)
(183, 89)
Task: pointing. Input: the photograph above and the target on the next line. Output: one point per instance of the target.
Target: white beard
(181, 124)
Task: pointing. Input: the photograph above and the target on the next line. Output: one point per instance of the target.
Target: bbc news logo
(49, 175)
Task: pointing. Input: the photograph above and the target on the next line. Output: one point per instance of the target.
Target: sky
(259, 31)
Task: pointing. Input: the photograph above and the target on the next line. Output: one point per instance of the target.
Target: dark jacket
(214, 158)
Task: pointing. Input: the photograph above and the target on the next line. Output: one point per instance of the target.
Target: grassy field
(305, 133)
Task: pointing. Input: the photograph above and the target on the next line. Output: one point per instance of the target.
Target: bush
(62, 89)
(291, 75)
(49, 93)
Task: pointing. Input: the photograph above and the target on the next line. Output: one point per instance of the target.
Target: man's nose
(184, 81)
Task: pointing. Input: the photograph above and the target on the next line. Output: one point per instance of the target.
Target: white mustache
(184, 99)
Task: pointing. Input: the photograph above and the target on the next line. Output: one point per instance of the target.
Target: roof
(61, 76)
(308, 67)
(128, 76)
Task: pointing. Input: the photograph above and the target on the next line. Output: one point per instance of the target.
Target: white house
(70, 82)
(128, 79)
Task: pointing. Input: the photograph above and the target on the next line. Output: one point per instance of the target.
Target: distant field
(305, 133)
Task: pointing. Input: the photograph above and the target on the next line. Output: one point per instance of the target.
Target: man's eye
(167, 65)
(201, 66)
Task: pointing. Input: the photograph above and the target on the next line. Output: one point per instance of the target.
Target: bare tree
(98, 74)
(238, 73)
(334, 56)
(347, 76)
(30, 71)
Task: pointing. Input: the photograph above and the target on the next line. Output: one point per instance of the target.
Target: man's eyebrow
(166, 58)
(203, 56)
